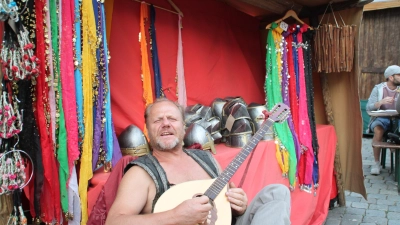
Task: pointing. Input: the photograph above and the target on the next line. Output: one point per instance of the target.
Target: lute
(221, 213)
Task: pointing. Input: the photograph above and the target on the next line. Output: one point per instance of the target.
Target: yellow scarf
(89, 70)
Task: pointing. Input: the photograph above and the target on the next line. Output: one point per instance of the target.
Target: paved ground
(383, 204)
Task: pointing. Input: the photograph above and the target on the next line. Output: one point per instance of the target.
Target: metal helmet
(236, 99)
(191, 117)
(213, 126)
(240, 133)
(236, 110)
(205, 112)
(255, 110)
(196, 134)
(193, 108)
(133, 142)
(217, 106)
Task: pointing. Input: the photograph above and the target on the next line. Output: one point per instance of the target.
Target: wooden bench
(388, 145)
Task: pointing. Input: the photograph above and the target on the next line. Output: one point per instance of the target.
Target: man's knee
(275, 192)
(378, 132)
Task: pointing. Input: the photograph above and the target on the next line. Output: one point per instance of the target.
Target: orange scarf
(146, 76)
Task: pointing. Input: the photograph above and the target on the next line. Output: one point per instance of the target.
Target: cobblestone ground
(383, 204)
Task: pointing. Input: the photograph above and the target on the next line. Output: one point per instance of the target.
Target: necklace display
(17, 58)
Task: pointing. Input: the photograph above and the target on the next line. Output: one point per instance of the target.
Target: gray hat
(392, 70)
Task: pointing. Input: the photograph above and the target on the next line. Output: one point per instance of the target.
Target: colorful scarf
(89, 69)
(180, 73)
(307, 37)
(146, 78)
(154, 53)
(273, 94)
(78, 72)
(113, 150)
(294, 107)
(50, 198)
(74, 208)
(304, 126)
(285, 93)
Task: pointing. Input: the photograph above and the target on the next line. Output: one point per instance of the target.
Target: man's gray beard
(164, 146)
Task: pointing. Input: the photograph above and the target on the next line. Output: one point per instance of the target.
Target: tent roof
(269, 10)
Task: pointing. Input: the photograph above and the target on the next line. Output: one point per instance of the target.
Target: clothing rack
(178, 11)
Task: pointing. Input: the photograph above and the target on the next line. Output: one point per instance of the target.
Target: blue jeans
(384, 122)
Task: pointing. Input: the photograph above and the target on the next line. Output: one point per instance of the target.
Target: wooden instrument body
(187, 190)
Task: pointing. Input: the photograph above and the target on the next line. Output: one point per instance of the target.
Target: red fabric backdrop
(221, 48)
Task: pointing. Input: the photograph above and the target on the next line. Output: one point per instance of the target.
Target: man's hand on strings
(238, 199)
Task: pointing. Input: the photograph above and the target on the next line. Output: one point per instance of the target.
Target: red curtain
(221, 48)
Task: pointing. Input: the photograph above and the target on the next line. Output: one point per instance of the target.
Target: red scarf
(50, 197)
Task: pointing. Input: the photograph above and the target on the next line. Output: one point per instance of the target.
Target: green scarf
(274, 96)
(61, 132)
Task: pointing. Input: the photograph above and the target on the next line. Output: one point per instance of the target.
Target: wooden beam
(308, 12)
(275, 6)
(382, 5)
(372, 70)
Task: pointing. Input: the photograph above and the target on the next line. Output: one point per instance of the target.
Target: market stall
(87, 69)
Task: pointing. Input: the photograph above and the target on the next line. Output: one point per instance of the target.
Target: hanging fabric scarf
(294, 107)
(146, 77)
(68, 81)
(273, 94)
(180, 73)
(307, 38)
(74, 209)
(61, 132)
(154, 54)
(52, 97)
(30, 142)
(285, 92)
(99, 146)
(113, 151)
(294, 31)
(89, 69)
(50, 198)
(304, 123)
(78, 71)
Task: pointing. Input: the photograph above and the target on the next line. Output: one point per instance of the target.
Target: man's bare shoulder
(134, 192)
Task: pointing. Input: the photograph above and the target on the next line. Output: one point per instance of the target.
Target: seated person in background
(168, 164)
(383, 97)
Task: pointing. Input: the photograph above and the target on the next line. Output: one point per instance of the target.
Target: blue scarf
(154, 53)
